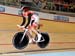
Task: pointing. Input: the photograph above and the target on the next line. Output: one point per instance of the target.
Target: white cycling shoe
(30, 41)
(39, 38)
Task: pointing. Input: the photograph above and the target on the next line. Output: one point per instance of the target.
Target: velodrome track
(62, 35)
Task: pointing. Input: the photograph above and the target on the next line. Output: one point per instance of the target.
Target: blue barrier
(2, 9)
(61, 18)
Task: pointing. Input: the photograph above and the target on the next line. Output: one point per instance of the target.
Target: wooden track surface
(62, 35)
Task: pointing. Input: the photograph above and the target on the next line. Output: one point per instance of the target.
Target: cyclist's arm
(24, 20)
(29, 19)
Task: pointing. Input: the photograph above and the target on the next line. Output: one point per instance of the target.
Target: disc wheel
(16, 41)
(44, 43)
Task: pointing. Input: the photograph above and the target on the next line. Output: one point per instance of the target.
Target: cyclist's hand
(21, 27)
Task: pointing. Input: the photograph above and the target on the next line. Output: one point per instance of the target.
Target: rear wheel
(16, 40)
(44, 43)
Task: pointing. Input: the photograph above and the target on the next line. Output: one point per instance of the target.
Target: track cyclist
(33, 21)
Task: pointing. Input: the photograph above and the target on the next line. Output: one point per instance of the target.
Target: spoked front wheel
(44, 43)
(17, 38)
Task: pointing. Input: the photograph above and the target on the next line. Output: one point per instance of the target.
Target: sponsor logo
(2, 9)
(61, 18)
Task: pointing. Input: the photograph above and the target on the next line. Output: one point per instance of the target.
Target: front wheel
(44, 43)
(16, 40)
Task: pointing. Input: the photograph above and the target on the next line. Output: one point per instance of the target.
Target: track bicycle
(21, 39)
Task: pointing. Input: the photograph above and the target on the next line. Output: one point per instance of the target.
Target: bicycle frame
(26, 30)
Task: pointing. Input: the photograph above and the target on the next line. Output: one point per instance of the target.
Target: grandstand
(49, 6)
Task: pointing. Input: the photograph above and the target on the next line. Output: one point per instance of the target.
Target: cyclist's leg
(33, 28)
(30, 36)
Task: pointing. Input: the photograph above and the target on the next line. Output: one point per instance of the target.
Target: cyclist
(33, 21)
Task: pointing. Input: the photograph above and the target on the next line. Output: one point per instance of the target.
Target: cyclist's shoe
(30, 41)
(39, 38)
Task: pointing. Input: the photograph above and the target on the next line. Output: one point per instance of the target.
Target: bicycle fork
(23, 35)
